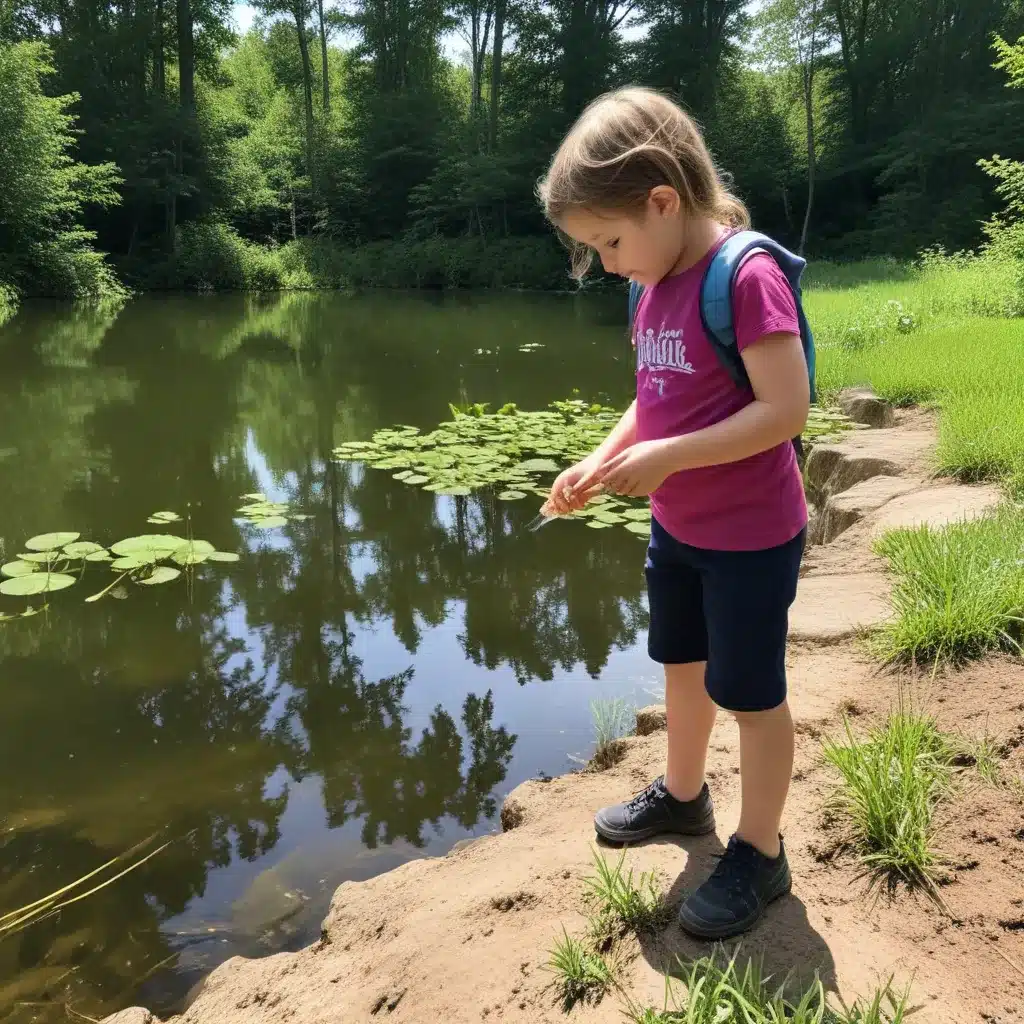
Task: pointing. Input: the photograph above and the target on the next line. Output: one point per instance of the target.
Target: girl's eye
(613, 244)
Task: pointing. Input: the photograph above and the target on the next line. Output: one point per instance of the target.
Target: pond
(361, 687)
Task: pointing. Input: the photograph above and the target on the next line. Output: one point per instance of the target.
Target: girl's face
(643, 247)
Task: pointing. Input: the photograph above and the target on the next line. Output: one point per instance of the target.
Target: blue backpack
(716, 302)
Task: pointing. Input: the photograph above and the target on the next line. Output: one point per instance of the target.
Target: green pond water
(362, 687)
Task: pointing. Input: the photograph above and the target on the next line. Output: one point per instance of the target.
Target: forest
(148, 144)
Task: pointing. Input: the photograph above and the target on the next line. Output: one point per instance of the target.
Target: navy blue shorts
(728, 608)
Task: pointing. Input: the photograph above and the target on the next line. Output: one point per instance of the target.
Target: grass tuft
(891, 783)
(717, 991)
(622, 903)
(613, 720)
(958, 592)
(581, 974)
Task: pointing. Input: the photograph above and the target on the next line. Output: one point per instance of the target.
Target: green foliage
(8, 303)
(51, 559)
(44, 191)
(581, 975)
(613, 719)
(891, 783)
(957, 592)
(920, 340)
(715, 990)
(620, 903)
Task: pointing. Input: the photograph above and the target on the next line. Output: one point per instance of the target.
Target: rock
(834, 468)
(936, 506)
(513, 813)
(134, 1015)
(831, 608)
(651, 719)
(862, 405)
(465, 844)
(841, 511)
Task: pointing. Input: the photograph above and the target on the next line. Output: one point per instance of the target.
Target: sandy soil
(466, 937)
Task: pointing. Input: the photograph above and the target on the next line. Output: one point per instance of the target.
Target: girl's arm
(778, 374)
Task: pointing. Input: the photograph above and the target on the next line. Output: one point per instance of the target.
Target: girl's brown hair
(624, 144)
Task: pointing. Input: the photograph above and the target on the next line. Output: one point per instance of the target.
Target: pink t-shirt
(681, 387)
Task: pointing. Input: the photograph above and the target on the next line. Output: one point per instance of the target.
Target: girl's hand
(635, 471)
(566, 495)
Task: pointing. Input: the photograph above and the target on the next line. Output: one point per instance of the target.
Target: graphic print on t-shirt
(660, 353)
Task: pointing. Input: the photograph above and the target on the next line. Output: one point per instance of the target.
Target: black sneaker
(653, 811)
(737, 893)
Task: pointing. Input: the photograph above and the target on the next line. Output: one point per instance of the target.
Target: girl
(633, 181)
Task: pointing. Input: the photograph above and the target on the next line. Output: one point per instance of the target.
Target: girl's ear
(664, 200)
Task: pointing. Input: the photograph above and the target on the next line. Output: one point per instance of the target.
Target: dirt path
(466, 937)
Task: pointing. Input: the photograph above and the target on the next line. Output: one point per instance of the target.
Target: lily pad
(161, 574)
(258, 496)
(640, 529)
(457, 492)
(149, 547)
(99, 556)
(46, 541)
(36, 583)
(82, 549)
(40, 557)
(193, 552)
(270, 522)
(596, 524)
(418, 479)
(128, 562)
(511, 495)
(164, 517)
(18, 568)
(222, 556)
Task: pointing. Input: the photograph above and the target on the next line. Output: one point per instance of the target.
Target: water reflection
(365, 652)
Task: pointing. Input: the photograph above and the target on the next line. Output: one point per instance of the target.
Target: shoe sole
(703, 829)
(702, 931)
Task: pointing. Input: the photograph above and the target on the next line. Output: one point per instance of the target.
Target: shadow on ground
(784, 941)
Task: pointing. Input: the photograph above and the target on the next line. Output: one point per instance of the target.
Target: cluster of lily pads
(509, 449)
(513, 451)
(56, 561)
(259, 511)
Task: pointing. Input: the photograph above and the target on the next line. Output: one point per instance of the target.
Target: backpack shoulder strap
(716, 298)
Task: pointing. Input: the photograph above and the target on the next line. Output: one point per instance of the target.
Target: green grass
(719, 991)
(891, 782)
(622, 904)
(987, 755)
(613, 720)
(581, 974)
(949, 331)
(958, 592)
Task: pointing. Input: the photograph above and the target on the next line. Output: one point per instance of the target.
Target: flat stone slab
(862, 454)
(862, 405)
(830, 608)
(841, 511)
(936, 506)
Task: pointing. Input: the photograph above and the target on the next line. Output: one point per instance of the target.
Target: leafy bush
(213, 257)
(44, 249)
(8, 303)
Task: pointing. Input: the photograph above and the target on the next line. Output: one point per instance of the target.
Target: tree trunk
(159, 72)
(307, 85)
(323, 57)
(809, 103)
(186, 58)
(499, 41)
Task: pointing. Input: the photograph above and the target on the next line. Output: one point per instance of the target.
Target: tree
(792, 37)
(44, 191)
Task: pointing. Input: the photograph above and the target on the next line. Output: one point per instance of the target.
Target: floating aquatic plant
(56, 561)
(265, 514)
(516, 452)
